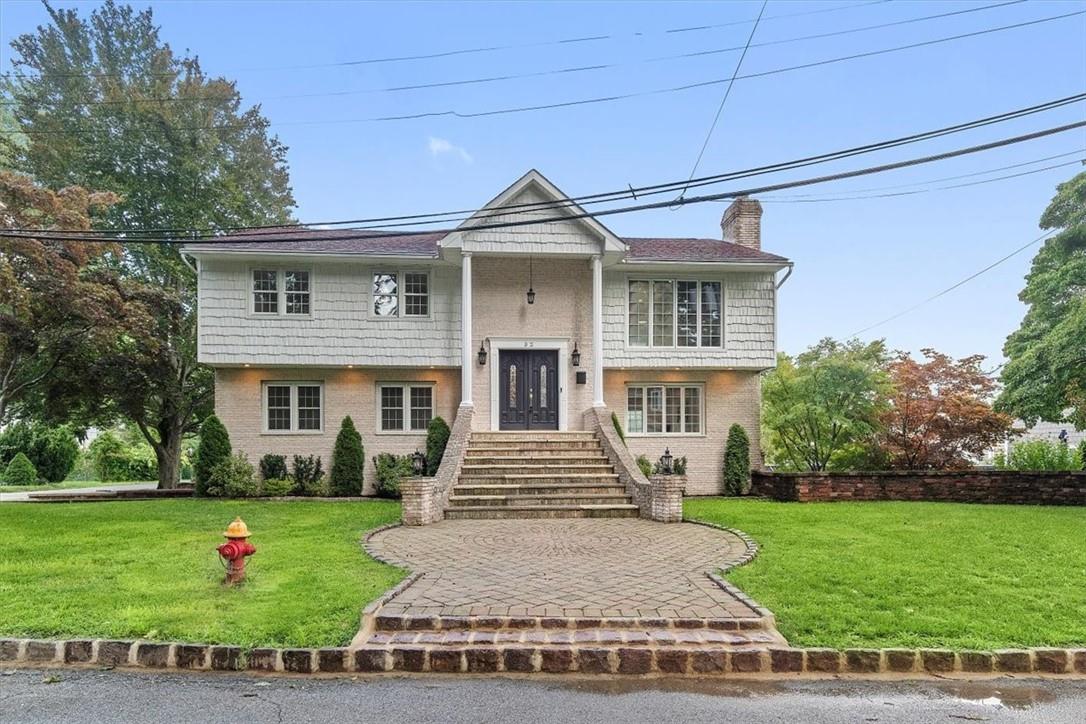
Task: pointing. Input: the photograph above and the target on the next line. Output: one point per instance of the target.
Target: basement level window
(293, 407)
(664, 409)
(405, 407)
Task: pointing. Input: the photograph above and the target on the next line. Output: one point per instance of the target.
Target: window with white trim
(674, 313)
(278, 291)
(401, 294)
(664, 409)
(405, 407)
(293, 407)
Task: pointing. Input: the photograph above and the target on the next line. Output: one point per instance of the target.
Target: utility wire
(780, 200)
(484, 49)
(601, 99)
(660, 188)
(727, 92)
(367, 231)
(963, 282)
(549, 72)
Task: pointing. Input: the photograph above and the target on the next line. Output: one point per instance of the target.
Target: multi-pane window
(664, 409)
(294, 285)
(406, 407)
(293, 407)
(401, 294)
(675, 313)
(265, 291)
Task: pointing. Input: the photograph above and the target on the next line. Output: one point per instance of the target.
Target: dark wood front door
(528, 389)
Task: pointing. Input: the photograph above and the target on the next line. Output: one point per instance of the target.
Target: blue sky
(857, 261)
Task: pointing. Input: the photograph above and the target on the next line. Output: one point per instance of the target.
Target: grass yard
(913, 574)
(66, 485)
(150, 570)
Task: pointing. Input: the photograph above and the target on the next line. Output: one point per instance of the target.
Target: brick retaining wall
(965, 486)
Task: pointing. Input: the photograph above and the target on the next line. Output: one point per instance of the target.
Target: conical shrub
(214, 447)
(737, 461)
(348, 461)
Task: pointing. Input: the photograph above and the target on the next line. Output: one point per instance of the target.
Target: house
(526, 327)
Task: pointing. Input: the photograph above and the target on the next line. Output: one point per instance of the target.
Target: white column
(597, 331)
(466, 351)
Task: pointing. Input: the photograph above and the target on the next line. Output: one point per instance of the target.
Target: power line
(951, 288)
(367, 232)
(659, 188)
(483, 49)
(550, 72)
(923, 191)
(727, 92)
(935, 180)
(601, 99)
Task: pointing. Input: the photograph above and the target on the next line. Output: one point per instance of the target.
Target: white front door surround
(555, 343)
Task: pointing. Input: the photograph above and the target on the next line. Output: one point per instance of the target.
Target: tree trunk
(167, 451)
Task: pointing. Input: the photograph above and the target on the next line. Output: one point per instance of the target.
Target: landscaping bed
(149, 570)
(896, 574)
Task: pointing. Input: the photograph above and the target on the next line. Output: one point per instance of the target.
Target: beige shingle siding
(749, 320)
(341, 329)
(239, 405)
(565, 238)
(731, 396)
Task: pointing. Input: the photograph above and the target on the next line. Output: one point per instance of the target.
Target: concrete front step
(457, 500)
(540, 444)
(586, 458)
(534, 467)
(540, 511)
(542, 435)
(415, 622)
(582, 478)
(537, 489)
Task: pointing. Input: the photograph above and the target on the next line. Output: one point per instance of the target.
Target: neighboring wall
(563, 308)
(749, 321)
(967, 486)
(730, 397)
(346, 392)
(342, 328)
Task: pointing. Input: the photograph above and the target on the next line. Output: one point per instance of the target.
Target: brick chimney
(742, 222)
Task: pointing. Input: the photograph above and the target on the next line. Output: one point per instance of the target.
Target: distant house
(530, 326)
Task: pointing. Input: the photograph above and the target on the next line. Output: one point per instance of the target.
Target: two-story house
(527, 327)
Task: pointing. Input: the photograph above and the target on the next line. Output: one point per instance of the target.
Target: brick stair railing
(538, 475)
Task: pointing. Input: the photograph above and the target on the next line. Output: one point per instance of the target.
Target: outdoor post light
(575, 356)
(418, 463)
(482, 355)
(665, 462)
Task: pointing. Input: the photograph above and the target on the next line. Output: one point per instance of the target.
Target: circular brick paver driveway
(566, 567)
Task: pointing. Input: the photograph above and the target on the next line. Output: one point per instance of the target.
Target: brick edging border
(588, 659)
(749, 555)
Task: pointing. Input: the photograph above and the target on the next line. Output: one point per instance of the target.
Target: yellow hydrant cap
(237, 529)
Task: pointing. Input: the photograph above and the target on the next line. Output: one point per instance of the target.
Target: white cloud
(439, 146)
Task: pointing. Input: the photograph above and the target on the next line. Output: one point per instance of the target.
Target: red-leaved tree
(939, 416)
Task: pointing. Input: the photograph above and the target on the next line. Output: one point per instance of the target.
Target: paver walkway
(575, 568)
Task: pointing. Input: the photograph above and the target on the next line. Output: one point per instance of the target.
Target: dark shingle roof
(346, 241)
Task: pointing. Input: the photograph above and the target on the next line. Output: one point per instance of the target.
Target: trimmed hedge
(348, 461)
(52, 450)
(737, 461)
(213, 449)
(20, 471)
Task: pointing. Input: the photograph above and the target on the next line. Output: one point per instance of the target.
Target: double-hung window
(401, 294)
(405, 407)
(281, 291)
(293, 407)
(675, 313)
(664, 409)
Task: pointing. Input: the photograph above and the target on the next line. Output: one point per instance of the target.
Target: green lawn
(913, 574)
(150, 570)
(66, 485)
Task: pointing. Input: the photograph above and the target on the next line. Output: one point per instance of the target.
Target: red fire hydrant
(235, 550)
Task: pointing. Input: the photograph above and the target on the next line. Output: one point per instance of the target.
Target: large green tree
(104, 102)
(821, 409)
(1045, 374)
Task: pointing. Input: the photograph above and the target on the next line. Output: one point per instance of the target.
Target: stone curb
(752, 546)
(627, 659)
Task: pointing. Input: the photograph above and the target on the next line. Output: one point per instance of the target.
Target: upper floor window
(293, 407)
(278, 291)
(675, 313)
(401, 294)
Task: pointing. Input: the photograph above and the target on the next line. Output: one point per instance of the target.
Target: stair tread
(536, 496)
(583, 506)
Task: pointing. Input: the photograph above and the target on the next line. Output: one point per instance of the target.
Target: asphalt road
(109, 696)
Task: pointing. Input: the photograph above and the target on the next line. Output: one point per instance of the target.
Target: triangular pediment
(530, 206)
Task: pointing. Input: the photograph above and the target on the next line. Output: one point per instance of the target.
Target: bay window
(657, 409)
(675, 313)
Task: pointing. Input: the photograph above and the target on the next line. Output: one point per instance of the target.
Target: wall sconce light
(575, 356)
(482, 355)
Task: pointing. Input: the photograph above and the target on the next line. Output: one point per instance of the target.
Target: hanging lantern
(531, 292)
(575, 356)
